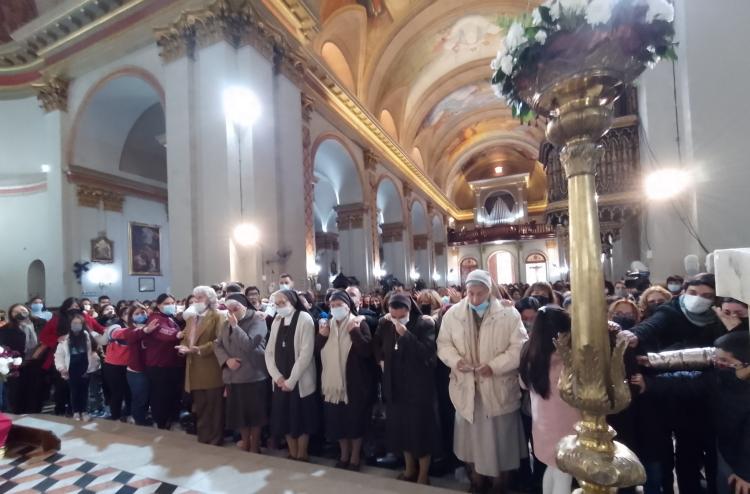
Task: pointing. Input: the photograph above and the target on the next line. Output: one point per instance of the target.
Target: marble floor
(161, 461)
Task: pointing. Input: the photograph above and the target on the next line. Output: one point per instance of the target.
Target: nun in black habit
(405, 344)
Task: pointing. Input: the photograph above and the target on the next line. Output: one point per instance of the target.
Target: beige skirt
(492, 444)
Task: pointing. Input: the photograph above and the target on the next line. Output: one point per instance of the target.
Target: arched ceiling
(425, 65)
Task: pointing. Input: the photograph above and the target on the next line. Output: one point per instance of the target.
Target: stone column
(420, 244)
(394, 251)
(352, 221)
(327, 251)
(59, 279)
(371, 162)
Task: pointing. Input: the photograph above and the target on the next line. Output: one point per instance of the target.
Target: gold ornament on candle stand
(570, 66)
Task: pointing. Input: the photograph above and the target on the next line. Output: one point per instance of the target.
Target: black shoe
(342, 464)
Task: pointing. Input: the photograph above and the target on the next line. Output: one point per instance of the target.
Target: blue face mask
(37, 307)
(140, 318)
(169, 310)
(479, 309)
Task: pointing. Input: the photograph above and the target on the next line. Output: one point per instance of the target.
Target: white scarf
(333, 356)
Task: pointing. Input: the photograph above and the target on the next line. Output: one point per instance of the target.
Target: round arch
(501, 264)
(356, 166)
(389, 200)
(126, 71)
(36, 280)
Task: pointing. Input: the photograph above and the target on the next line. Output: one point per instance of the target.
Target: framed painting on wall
(145, 249)
(102, 249)
(146, 285)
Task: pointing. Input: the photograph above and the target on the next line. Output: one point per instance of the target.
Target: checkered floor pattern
(26, 471)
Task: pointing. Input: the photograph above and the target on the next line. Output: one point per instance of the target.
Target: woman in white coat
(295, 408)
(480, 340)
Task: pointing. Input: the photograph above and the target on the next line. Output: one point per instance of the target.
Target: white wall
(30, 223)
(712, 104)
(89, 221)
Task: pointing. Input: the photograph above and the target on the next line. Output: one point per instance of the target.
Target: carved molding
(92, 197)
(350, 216)
(238, 23)
(392, 232)
(104, 181)
(326, 241)
(420, 241)
(308, 107)
(53, 94)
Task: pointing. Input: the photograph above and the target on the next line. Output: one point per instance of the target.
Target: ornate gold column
(594, 376)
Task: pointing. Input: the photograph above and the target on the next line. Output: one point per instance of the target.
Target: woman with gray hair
(202, 372)
(480, 340)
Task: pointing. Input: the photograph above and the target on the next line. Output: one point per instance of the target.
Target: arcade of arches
(150, 146)
(379, 149)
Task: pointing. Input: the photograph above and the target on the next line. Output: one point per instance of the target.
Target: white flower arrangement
(527, 36)
(9, 362)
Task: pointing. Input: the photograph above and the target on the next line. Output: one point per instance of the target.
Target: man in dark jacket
(726, 388)
(688, 321)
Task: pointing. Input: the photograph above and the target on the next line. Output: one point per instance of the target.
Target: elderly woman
(347, 378)
(202, 372)
(241, 352)
(405, 346)
(481, 340)
(295, 411)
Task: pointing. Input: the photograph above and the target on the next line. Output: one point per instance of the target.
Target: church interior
(152, 147)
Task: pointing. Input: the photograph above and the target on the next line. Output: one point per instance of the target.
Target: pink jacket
(552, 419)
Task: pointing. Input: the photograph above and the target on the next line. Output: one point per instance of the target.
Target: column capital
(370, 159)
(439, 248)
(326, 241)
(350, 216)
(53, 93)
(92, 197)
(392, 232)
(420, 241)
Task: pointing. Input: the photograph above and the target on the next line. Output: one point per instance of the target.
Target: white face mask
(674, 287)
(199, 307)
(696, 304)
(285, 311)
(284, 286)
(404, 320)
(340, 313)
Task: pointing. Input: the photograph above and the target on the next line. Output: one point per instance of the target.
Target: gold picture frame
(144, 246)
(102, 249)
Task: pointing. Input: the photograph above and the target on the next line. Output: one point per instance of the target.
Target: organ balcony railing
(618, 171)
(525, 231)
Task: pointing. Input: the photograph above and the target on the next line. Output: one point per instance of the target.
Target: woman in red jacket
(165, 367)
(56, 328)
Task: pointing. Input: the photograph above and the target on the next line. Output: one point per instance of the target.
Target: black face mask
(542, 299)
(426, 309)
(21, 316)
(624, 322)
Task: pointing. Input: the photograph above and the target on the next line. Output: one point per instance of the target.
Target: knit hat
(480, 276)
(400, 300)
(239, 298)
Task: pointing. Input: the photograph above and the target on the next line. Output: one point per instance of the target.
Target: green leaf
(671, 53)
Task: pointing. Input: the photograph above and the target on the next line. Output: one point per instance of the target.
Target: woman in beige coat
(480, 340)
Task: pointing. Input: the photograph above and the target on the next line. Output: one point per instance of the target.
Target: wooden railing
(618, 171)
(501, 232)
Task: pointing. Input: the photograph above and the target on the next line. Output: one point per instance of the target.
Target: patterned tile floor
(28, 471)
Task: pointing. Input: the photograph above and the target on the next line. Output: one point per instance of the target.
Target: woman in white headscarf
(347, 380)
(480, 340)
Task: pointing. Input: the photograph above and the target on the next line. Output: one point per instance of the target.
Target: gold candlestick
(576, 89)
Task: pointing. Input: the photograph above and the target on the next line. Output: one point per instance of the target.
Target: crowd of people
(437, 378)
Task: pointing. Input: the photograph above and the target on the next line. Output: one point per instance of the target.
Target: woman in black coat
(405, 346)
(347, 378)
